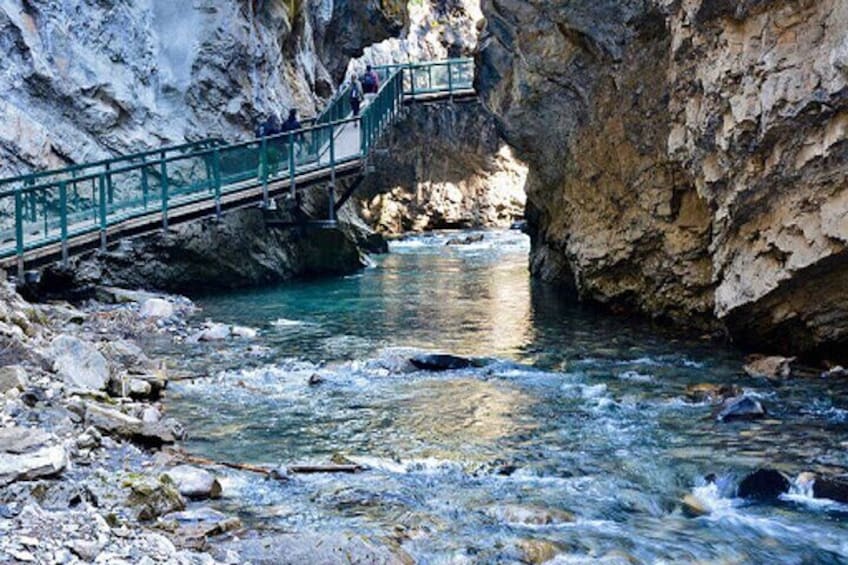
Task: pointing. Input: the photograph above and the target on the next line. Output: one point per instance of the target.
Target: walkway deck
(54, 214)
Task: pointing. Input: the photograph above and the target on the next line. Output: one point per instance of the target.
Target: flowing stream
(573, 438)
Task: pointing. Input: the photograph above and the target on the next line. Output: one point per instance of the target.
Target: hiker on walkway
(271, 126)
(370, 84)
(356, 95)
(293, 124)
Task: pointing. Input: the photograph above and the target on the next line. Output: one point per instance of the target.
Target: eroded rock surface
(687, 159)
(445, 167)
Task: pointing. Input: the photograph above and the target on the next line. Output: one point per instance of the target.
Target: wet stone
(763, 485)
(194, 483)
(709, 392)
(440, 362)
(742, 408)
(774, 367)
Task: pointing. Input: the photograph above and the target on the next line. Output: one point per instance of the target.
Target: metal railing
(51, 207)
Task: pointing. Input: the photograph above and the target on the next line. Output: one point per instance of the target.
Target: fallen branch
(273, 473)
(304, 469)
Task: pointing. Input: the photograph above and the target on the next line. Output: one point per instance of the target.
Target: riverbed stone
(153, 497)
(79, 363)
(19, 439)
(194, 483)
(156, 308)
(763, 485)
(244, 332)
(12, 377)
(440, 362)
(835, 489)
(741, 408)
(46, 461)
(118, 424)
(215, 332)
(773, 367)
(710, 392)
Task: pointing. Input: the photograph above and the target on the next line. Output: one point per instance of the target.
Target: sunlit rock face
(84, 79)
(445, 167)
(687, 158)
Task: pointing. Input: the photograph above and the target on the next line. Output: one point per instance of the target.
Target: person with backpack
(356, 95)
(370, 84)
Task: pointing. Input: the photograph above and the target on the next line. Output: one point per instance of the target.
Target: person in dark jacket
(292, 123)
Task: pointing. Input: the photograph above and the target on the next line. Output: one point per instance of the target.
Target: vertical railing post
(263, 166)
(63, 220)
(163, 171)
(430, 76)
(450, 81)
(145, 183)
(292, 169)
(102, 202)
(411, 80)
(331, 189)
(109, 188)
(19, 231)
(216, 179)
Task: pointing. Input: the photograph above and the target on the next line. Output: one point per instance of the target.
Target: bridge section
(53, 214)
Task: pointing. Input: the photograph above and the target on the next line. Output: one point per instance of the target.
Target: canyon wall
(688, 159)
(443, 166)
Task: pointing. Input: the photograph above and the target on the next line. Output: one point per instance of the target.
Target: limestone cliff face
(688, 158)
(443, 166)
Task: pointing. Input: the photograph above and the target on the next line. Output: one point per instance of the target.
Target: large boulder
(194, 483)
(79, 363)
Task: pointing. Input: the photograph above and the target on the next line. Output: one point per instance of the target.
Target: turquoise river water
(574, 441)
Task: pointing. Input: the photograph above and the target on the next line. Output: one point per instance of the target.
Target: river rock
(215, 332)
(12, 377)
(763, 484)
(709, 392)
(440, 362)
(19, 439)
(741, 408)
(194, 483)
(153, 497)
(156, 308)
(835, 489)
(79, 363)
(466, 240)
(244, 332)
(837, 372)
(42, 462)
(116, 423)
(774, 367)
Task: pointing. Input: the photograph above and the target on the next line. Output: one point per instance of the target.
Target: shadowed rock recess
(688, 160)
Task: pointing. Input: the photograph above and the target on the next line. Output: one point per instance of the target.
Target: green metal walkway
(53, 214)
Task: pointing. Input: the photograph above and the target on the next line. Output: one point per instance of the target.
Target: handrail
(87, 197)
